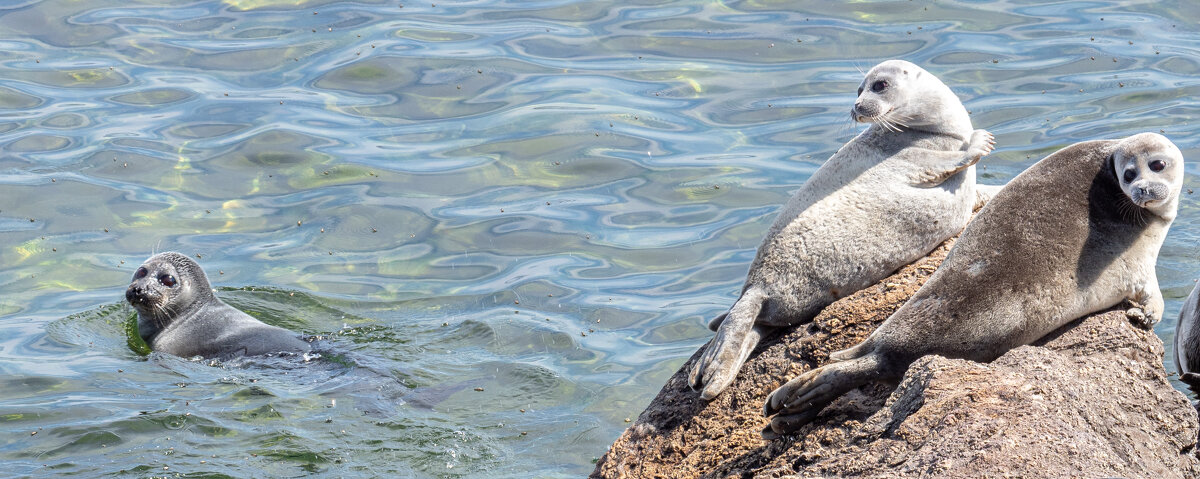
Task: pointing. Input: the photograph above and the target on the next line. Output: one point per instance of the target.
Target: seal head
(899, 95)
(166, 286)
(1150, 171)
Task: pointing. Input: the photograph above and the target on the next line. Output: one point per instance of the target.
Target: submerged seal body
(178, 314)
(1076, 233)
(885, 199)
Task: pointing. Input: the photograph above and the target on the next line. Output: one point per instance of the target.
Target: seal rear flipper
(800, 400)
(735, 339)
(721, 362)
(1192, 380)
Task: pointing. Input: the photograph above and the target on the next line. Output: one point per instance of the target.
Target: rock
(1089, 400)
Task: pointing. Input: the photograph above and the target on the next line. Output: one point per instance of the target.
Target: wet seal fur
(885, 199)
(1078, 232)
(178, 314)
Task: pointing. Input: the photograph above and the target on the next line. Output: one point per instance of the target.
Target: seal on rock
(1076, 233)
(178, 314)
(888, 197)
(1187, 341)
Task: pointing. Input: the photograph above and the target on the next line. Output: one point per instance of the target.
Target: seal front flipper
(798, 402)
(949, 163)
(1147, 305)
(736, 338)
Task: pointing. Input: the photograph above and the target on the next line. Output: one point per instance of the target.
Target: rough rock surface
(1089, 400)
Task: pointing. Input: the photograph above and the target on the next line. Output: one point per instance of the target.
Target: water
(543, 200)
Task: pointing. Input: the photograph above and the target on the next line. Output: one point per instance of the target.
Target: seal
(888, 197)
(1187, 341)
(1076, 233)
(178, 314)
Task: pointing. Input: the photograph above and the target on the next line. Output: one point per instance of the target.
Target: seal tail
(798, 402)
(736, 338)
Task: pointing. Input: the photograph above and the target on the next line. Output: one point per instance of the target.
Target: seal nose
(133, 296)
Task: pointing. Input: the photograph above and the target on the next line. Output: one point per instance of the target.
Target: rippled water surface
(508, 221)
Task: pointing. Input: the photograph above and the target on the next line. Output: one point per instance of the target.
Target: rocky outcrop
(1089, 400)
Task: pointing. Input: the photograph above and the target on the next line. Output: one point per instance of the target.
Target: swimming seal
(178, 314)
(885, 199)
(1076, 233)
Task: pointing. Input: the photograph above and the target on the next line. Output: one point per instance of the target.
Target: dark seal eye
(879, 86)
(1157, 166)
(860, 91)
(140, 273)
(1130, 175)
(166, 280)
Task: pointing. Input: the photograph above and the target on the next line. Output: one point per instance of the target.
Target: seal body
(178, 314)
(1076, 233)
(885, 199)
(1187, 341)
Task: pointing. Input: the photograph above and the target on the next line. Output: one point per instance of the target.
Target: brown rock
(1089, 400)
